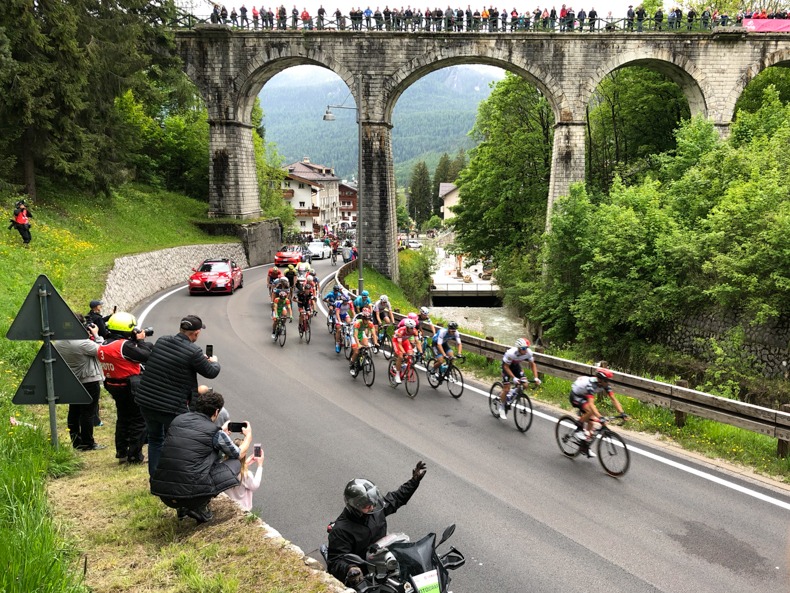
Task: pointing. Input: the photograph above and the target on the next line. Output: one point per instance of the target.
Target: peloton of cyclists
(402, 341)
(363, 327)
(280, 305)
(513, 373)
(440, 342)
(583, 392)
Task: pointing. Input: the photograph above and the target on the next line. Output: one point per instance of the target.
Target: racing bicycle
(304, 326)
(334, 257)
(612, 451)
(408, 374)
(346, 330)
(365, 364)
(447, 373)
(520, 402)
(385, 341)
(279, 330)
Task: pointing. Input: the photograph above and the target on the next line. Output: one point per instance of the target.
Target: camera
(149, 331)
(236, 426)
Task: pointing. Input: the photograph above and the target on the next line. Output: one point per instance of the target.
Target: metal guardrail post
(783, 446)
(680, 417)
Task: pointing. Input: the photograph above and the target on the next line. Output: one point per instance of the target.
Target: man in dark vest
(191, 471)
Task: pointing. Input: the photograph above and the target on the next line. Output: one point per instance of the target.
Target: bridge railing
(443, 25)
(772, 423)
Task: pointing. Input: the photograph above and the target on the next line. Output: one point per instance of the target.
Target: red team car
(216, 275)
(292, 254)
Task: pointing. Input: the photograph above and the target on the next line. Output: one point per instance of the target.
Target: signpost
(46, 316)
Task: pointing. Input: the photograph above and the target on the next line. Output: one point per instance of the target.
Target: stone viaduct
(230, 67)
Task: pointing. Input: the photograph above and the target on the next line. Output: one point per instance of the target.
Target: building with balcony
(302, 195)
(449, 195)
(348, 204)
(327, 182)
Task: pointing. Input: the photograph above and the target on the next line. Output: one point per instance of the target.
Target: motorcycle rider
(364, 521)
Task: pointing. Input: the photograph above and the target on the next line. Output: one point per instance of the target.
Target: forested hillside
(432, 117)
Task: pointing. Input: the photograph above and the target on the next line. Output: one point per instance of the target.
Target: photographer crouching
(121, 357)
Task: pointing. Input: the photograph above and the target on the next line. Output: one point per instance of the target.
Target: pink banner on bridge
(767, 24)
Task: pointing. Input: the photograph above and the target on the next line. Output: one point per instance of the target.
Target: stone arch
(265, 65)
(777, 58)
(676, 67)
(478, 53)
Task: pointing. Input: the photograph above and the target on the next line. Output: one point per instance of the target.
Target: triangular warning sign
(33, 389)
(63, 324)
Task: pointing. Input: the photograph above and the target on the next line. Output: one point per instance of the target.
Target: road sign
(63, 324)
(33, 389)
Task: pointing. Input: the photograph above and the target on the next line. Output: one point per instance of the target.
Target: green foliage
(420, 193)
(435, 222)
(504, 189)
(752, 97)
(402, 214)
(631, 117)
(440, 175)
(268, 166)
(416, 267)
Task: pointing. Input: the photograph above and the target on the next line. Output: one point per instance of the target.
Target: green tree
(439, 176)
(456, 166)
(751, 98)
(435, 222)
(64, 64)
(504, 189)
(402, 214)
(420, 208)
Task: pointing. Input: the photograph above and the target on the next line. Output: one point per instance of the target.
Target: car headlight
(194, 281)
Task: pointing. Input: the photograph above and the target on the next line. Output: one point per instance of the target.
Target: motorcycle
(395, 565)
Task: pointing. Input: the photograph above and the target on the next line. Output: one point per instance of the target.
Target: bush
(416, 267)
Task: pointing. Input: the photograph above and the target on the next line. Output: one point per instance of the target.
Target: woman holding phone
(250, 482)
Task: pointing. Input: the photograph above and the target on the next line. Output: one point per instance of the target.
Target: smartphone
(236, 426)
(210, 350)
(258, 451)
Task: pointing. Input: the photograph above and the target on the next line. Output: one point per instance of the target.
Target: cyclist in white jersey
(440, 342)
(583, 392)
(381, 310)
(513, 373)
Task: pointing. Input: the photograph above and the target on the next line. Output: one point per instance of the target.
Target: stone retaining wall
(767, 342)
(134, 278)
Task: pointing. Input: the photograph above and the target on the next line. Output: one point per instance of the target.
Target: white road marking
(705, 476)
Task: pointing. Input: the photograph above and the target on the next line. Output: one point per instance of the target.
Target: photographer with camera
(95, 316)
(81, 357)
(121, 357)
(21, 222)
(170, 380)
(189, 472)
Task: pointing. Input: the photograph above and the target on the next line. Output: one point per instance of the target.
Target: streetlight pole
(328, 116)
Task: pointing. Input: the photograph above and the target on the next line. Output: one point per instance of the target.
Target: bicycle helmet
(362, 496)
(425, 311)
(410, 323)
(522, 343)
(311, 278)
(121, 322)
(365, 293)
(283, 294)
(452, 325)
(413, 316)
(604, 374)
(384, 299)
(337, 288)
(365, 312)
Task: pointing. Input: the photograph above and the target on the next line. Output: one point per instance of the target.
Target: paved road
(528, 519)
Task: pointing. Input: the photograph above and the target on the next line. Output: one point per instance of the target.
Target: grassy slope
(75, 240)
(712, 439)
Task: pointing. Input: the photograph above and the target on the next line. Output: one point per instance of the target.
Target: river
(501, 322)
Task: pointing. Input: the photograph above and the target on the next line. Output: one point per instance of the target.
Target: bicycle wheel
(391, 372)
(428, 356)
(455, 382)
(330, 325)
(522, 412)
(281, 337)
(386, 346)
(412, 381)
(564, 430)
(434, 379)
(493, 398)
(613, 454)
(307, 330)
(347, 349)
(368, 370)
(301, 329)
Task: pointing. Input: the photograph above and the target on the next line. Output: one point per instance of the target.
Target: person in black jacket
(170, 382)
(190, 471)
(364, 521)
(94, 316)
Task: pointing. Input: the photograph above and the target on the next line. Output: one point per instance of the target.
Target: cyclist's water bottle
(511, 394)
(443, 368)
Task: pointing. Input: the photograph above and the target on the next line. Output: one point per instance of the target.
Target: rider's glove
(291, 320)
(353, 576)
(419, 471)
(538, 381)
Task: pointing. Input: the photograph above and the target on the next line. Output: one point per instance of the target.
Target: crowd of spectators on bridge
(490, 19)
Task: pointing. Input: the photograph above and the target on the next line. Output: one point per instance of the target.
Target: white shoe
(580, 435)
(502, 413)
(591, 453)
(274, 337)
(397, 378)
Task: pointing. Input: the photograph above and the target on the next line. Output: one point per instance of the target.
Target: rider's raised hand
(419, 471)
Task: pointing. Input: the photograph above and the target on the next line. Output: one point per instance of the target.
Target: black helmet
(360, 494)
(452, 325)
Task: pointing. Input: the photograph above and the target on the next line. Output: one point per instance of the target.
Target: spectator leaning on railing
(170, 382)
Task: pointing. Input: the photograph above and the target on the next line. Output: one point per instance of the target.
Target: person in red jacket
(21, 222)
(306, 22)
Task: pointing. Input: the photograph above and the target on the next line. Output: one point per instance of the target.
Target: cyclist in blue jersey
(440, 344)
(362, 301)
(342, 315)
